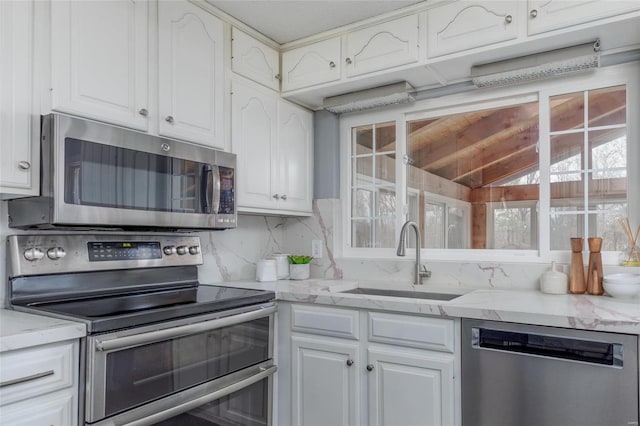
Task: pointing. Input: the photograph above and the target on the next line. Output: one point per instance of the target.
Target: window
(509, 178)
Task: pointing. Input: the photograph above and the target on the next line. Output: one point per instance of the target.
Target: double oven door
(213, 369)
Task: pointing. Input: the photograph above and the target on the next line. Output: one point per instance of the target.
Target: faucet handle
(424, 272)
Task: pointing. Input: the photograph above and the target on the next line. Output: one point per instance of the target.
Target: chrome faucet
(420, 271)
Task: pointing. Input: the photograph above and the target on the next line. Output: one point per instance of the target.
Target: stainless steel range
(161, 349)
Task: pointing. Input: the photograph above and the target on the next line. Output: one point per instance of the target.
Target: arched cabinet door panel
(310, 65)
(547, 15)
(460, 26)
(190, 74)
(382, 46)
(99, 60)
(255, 60)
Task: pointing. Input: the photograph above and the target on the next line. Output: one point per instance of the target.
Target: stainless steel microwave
(96, 175)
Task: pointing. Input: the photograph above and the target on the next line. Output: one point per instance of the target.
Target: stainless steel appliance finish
(99, 176)
(514, 374)
(161, 349)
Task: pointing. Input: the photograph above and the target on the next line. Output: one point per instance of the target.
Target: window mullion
(544, 198)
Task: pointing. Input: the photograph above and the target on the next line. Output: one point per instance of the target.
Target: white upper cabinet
(310, 65)
(190, 74)
(273, 140)
(547, 15)
(382, 46)
(18, 122)
(255, 60)
(459, 26)
(99, 53)
(295, 156)
(253, 132)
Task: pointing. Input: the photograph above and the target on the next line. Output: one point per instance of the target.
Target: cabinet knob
(143, 112)
(508, 19)
(332, 65)
(24, 165)
(169, 119)
(370, 367)
(533, 13)
(349, 362)
(278, 77)
(284, 197)
(348, 61)
(276, 196)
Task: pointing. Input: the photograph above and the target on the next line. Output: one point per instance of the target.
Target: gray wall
(326, 169)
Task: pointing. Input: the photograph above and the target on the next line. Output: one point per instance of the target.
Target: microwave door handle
(216, 189)
(205, 190)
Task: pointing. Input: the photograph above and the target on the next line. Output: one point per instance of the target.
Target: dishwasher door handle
(548, 346)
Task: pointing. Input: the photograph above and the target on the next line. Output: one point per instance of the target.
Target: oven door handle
(190, 405)
(185, 330)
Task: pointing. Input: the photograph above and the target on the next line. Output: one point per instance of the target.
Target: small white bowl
(623, 278)
(621, 290)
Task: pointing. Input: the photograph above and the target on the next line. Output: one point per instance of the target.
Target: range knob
(56, 253)
(33, 254)
(169, 250)
(194, 250)
(182, 250)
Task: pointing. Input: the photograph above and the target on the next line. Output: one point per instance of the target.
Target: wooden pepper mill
(594, 274)
(576, 275)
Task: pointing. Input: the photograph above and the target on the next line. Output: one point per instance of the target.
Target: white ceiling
(285, 21)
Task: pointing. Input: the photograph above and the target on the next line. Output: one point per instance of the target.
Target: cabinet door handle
(26, 379)
(348, 61)
(169, 119)
(278, 77)
(143, 112)
(276, 196)
(332, 65)
(370, 367)
(508, 19)
(283, 197)
(24, 165)
(349, 362)
(533, 13)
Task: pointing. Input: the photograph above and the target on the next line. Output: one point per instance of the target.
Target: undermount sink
(402, 293)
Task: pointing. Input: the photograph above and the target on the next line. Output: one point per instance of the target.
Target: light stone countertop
(600, 313)
(20, 330)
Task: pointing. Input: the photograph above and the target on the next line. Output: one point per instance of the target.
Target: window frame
(625, 74)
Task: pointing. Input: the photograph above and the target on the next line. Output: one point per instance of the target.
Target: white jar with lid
(554, 281)
(266, 270)
(282, 265)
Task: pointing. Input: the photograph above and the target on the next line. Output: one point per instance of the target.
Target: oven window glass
(108, 176)
(246, 407)
(144, 373)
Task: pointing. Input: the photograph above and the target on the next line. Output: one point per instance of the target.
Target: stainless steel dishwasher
(522, 375)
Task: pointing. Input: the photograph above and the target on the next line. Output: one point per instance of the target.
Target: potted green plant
(299, 267)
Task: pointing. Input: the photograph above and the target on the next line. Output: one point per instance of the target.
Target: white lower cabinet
(39, 385)
(325, 381)
(408, 387)
(358, 380)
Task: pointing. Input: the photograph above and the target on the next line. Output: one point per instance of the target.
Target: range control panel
(56, 253)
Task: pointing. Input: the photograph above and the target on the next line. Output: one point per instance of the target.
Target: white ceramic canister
(282, 265)
(554, 281)
(266, 270)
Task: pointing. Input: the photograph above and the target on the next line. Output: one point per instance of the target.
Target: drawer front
(325, 321)
(413, 331)
(56, 409)
(35, 371)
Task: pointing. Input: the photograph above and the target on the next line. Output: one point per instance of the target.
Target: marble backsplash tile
(231, 255)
